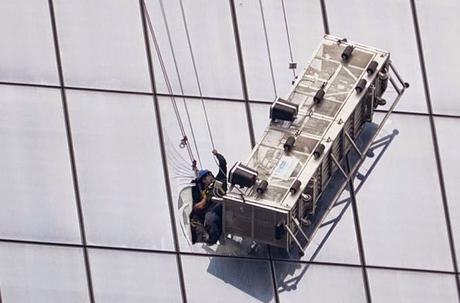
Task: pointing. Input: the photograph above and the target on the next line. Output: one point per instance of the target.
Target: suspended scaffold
(274, 196)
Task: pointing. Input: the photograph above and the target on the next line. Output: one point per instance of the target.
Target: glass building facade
(90, 164)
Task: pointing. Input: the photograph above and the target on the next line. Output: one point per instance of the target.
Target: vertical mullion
(248, 113)
(359, 237)
(435, 141)
(71, 151)
(244, 84)
(159, 127)
(354, 205)
(272, 269)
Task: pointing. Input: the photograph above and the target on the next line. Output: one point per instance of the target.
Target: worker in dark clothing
(206, 216)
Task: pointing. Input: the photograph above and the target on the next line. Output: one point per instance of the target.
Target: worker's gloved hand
(214, 151)
(202, 203)
(198, 206)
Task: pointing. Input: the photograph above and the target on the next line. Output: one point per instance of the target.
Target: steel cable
(184, 140)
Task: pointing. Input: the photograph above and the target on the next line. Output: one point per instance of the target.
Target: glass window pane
(318, 283)
(335, 239)
(231, 138)
(260, 118)
(211, 33)
(38, 200)
(400, 206)
(42, 274)
(181, 51)
(27, 52)
(102, 44)
(227, 121)
(230, 280)
(303, 20)
(447, 131)
(388, 25)
(407, 287)
(121, 276)
(438, 23)
(255, 53)
(120, 170)
(279, 47)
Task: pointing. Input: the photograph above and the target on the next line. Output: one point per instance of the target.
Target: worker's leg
(199, 232)
(213, 224)
(217, 208)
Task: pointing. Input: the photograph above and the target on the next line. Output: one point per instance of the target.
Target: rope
(168, 33)
(196, 72)
(184, 140)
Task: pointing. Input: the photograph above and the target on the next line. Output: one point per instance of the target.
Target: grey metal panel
(253, 222)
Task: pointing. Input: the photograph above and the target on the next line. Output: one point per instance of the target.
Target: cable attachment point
(340, 41)
(183, 142)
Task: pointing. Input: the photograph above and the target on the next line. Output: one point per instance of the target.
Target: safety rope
(168, 33)
(184, 19)
(184, 140)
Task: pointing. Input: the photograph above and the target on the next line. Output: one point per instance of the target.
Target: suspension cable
(196, 72)
(184, 140)
(168, 33)
(288, 36)
(267, 44)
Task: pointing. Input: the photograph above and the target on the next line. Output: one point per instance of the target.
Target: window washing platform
(274, 196)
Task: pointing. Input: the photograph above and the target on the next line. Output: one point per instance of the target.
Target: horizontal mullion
(158, 251)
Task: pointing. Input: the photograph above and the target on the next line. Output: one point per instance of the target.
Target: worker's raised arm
(222, 174)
